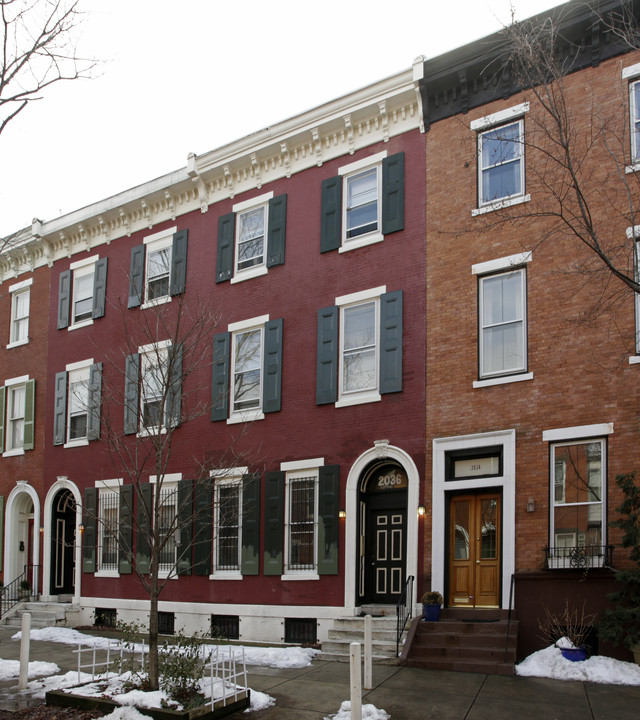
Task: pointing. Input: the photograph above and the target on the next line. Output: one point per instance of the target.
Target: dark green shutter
(328, 524)
(203, 527)
(95, 401)
(1, 531)
(277, 231)
(125, 529)
(179, 262)
(220, 376)
(3, 395)
(90, 522)
(64, 299)
(174, 390)
(226, 240)
(391, 342)
(185, 526)
(250, 558)
(274, 523)
(136, 276)
(29, 414)
(393, 193)
(131, 393)
(272, 387)
(60, 409)
(99, 288)
(331, 220)
(327, 360)
(144, 525)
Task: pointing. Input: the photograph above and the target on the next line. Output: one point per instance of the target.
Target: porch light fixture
(41, 531)
(421, 510)
(81, 529)
(531, 505)
(342, 513)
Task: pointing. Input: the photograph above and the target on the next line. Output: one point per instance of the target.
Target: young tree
(157, 382)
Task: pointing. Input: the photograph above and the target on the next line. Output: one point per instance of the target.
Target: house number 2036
(391, 480)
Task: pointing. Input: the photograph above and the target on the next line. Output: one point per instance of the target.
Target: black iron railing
(24, 587)
(404, 608)
(579, 558)
(506, 643)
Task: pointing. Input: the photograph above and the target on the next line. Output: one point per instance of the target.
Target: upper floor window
(158, 268)
(363, 203)
(20, 300)
(360, 348)
(634, 109)
(17, 400)
(82, 293)
(78, 391)
(251, 238)
(501, 158)
(247, 370)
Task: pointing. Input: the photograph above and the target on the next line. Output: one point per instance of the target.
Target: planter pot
(574, 654)
(431, 613)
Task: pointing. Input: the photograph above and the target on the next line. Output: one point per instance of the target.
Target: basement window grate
(166, 623)
(225, 626)
(300, 630)
(105, 617)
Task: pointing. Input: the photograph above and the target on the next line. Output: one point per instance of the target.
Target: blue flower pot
(431, 613)
(574, 654)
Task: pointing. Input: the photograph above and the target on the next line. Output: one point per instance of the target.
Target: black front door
(385, 555)
(63, 524)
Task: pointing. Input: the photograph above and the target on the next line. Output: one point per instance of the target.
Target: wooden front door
(474, 550)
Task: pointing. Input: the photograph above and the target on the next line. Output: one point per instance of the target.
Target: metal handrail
(19, 589)
(506, 644)
(404, 608)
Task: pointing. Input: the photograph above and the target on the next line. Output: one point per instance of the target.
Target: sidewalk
(315, 692)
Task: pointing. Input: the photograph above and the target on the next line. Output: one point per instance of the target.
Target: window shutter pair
(328, 521)
(29, 415)
(99, 293)
(93, 405)
(271, 371)
(178, 273)
(392, 203)
(390, 350)
(275, 238)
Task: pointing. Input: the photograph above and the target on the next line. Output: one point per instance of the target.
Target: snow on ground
(369, 712)
(10, 669)
(549, 663)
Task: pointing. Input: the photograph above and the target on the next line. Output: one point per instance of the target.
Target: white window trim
(153, 349)
(79, 269)
(293, 575)
(502, 117)
(297, 465)
(352, 169)
(17, 289)
(503, 263)
(246, 416)
(503, 380)
(232, 477)
(258, 270)
(227, 475)
(158, 241)
(169, 481)
(577, 432)
(11, 383)
(114, 486)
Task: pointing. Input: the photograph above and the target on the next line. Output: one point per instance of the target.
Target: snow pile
(369, 712)
(10, 669)
(549, 663)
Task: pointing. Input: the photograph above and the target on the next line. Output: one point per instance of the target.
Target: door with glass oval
(474, 550)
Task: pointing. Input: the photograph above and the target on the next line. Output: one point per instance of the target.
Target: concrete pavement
(315, 692)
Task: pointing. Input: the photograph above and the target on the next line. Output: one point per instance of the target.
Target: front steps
(43, 614)
(351, 629)
(464, 640)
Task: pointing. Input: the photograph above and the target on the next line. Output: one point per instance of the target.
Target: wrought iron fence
(579, 558)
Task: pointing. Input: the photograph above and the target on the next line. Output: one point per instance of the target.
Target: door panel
(474, 550)
(385, 554)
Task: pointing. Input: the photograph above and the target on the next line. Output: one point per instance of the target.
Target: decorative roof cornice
(370, 115)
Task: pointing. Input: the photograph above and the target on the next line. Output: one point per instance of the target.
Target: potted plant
(25, 589)
(431, 604)
(568, 630)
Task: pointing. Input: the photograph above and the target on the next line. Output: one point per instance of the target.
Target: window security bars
(579, 558)
(225, 626)
(228, 539)
(302, 524)
(166, 623)
(167, 512)
(105, 617)
(300, 630)
(108, 529)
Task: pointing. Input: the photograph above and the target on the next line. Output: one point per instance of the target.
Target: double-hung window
(169, 522)
(501, 158)
(158, 268)
(78, 391)
(82, 293)
(17, 400)
(578, 504)
(108, 526)
(247, 370)
(251, 238)
(228, 522)
(20, 300)
(632, 75)
(363, 203)
(360, 348)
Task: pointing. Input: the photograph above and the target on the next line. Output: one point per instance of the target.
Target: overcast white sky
(193, 75)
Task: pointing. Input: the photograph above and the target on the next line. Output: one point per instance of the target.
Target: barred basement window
(300, 630)
(166, 623)
(105, 617)
(225, 626)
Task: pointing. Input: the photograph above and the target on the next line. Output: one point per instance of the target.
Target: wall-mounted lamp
(421, 510)
(531, 505)
(342, 513)
(41, 531)
(81, 529)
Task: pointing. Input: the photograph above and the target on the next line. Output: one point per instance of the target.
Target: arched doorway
(382, 532)
(22, 535)
(63, 536)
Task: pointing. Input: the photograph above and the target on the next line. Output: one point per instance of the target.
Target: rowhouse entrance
(474, 539)
(382, 534)
(63, 523)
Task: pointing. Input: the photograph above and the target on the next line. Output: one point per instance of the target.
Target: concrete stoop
(483, 642)
(351, 629)
(43, 614)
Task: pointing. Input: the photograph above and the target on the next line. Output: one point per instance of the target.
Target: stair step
(463, 665)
